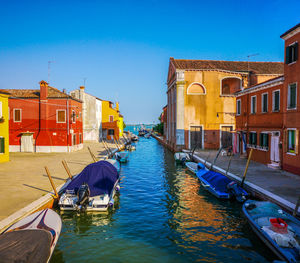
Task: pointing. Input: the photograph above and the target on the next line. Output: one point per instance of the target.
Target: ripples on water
(161, 215)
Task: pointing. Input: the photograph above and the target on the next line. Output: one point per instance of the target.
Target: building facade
(201, 101)
(91, 114)
(291, 101)
(44, 120)
(112, 123)
(4, 127)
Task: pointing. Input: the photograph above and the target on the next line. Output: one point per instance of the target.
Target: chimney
(81, 92)
(117, 106)
(43, 90)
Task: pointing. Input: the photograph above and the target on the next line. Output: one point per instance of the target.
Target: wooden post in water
(246, 169)
(51, 182)
(93, 156)
(106, 150)
(116, 143)
(67, 169)
(296, 207)
(111, 154)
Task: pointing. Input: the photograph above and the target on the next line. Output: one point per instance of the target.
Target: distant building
(91, 114)
(112, 123)
(164, 120)
(291, 101)
(44, 120)
(201, 102)
(4, 127)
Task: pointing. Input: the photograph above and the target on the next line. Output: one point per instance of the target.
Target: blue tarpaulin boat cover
(100, 177)
(217, 181)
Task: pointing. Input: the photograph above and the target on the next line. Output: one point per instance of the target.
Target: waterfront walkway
(276, 185)
(23, 179)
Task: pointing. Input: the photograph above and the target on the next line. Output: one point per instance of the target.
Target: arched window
(196, 89)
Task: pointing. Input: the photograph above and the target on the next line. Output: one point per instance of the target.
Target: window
(292, 96)
(276, 100)
(2, 145)
(111, 132)
(253, 104)
(292, 141)
(80, 138)
(74, 139)
(253, 138)
(0, 109)
(291, 53)
(61, 116)
(264, 139)
(264, 102)
(111, 118)
(238, 107)
(17, 115)
(73, 117)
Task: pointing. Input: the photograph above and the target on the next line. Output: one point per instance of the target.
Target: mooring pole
(228, 164)
(93, 156)
(111, 154)
(246, 169)
(67, 169)
(116, 144)
(296, 207)
(105, 148)
(51, 181)
(218, 153)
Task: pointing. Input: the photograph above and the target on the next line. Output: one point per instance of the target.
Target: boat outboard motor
(83, 196)
(235, 191)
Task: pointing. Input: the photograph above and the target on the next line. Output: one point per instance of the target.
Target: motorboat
(220, 185)
(122, 157)
(277, 229)
(134, 137)
(147, 135)
(130, 147)
(181, 157)
(192, 167)
(32, 239)
(93, 189)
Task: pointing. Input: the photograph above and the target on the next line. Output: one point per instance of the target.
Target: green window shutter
(293, 96)
(276, 106)
(287, 55)
(296, 51)
(2, 145)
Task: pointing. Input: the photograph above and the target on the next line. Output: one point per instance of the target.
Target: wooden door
(226, 136)
(196, 137)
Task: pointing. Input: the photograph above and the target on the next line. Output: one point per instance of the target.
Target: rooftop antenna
(49, 64)
(252, 55)
(84, 80)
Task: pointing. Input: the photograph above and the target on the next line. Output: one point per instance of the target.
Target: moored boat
(93, 189)
(277, 229)
(32, 239)
(192, 167)
(147, 135)
(122, 157)
(181, 157)
(220, 185)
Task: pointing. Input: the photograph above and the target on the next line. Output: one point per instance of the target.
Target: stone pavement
(23, 179)
(279, 182)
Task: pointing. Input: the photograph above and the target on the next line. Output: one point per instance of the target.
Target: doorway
(226, 136)
(27, 143)
(196, 137)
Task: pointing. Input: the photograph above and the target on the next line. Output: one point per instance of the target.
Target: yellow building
(112, 121)
(201, 102)
(4, 127)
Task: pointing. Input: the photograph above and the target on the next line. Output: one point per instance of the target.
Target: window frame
(251, 144)
(262, 102)
(251, 100)
(73, 116)
(238, 109)
(112, 118)
(291, 55)
(111, 130)
(15, 115)
(273, 100)
(287, 140)
(288, 97)
(1, 137)
(260, 140)
(57, 116)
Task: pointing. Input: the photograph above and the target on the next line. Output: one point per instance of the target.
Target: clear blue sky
(123, 47)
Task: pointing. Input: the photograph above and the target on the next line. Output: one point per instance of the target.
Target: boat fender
(111, 202)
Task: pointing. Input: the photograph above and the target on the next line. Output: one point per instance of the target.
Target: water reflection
(162, 215)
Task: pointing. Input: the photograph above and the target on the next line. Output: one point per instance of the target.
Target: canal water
(162, 214)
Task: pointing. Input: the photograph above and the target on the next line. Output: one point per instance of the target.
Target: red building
(268, 118)
(44, 120)
(291, 101)
(164, 120)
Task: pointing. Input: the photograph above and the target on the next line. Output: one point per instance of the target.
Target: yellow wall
(107, 111)
(121, 126)
(203, 109)
(4, 131)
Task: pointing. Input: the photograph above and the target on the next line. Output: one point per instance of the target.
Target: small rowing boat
(220, 185)
(181, 157)
(276, 228)
(122, 157)
(32, 239)
(192, 167)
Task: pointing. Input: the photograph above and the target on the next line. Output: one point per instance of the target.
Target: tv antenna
(249, 56)
(49, 66)
(84, 80)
